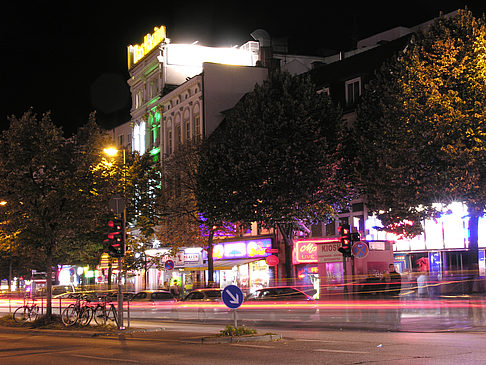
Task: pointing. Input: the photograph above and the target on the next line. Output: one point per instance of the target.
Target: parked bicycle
(105, 312)
(79, 312)
(26, 313)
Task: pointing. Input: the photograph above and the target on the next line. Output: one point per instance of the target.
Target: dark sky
(69, 56)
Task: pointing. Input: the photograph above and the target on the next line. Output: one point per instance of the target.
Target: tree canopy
(420, 128)
(275, 159)
(420, 132)
(54, 191)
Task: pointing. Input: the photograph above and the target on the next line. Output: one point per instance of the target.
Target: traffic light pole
(120, 296)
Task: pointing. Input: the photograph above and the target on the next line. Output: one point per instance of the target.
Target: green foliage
(275, 158)
(420, 129)
(238, 331)
(56, 191)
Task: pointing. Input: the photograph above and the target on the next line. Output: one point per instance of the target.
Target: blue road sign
(169, 265)
(232, 296)
(360, 250)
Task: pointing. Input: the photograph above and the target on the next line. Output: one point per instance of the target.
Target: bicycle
(102, 315)
(26, 313)
(77, 313)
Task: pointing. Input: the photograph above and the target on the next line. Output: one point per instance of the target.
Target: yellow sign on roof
(150, 41)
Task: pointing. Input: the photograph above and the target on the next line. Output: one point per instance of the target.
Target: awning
(221, 264)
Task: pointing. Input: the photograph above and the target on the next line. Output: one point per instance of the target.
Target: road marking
(255, 346)
(342, 351)
(104, 358)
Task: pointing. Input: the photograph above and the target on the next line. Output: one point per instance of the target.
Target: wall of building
(224, 86)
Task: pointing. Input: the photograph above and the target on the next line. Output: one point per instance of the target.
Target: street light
(112, 152)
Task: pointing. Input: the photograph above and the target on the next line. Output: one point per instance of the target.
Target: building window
(120, 140)
(178, 135)
(188, 130)
(353, 90)
(197, 122)
(169, 142)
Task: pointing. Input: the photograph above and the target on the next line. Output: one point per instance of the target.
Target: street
(180, 343)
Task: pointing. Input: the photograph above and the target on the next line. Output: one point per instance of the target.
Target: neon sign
(241, 249)
(150, 41)
(308, 251)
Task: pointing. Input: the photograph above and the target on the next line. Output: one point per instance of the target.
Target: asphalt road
(180, 343)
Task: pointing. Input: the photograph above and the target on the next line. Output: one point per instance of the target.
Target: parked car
(279, 303)
(202, 304)
(153, 296)
(201, 295)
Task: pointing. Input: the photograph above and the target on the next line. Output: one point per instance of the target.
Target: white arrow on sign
(235, 300)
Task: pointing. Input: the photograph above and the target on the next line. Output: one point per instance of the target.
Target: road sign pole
(235, 318)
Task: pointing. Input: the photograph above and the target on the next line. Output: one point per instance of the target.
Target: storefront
(441, 250)
(305, 260)
(241, 262)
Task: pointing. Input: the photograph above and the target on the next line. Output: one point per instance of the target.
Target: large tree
(420, 131)
(275, 159)
(55, 195)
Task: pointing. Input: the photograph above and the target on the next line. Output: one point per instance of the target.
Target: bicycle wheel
(21, 314)
(85, 316)
(34, 313)
(100, 315)
(69, 315)
(112, 315)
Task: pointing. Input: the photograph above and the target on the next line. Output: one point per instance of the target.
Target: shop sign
(271, 260)
(328, 252)
(305, 252)
(178, 259)
(150, 41)
(241, 249)
(192, 257)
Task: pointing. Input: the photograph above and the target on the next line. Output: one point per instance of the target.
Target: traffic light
(346, 242)
(116, 238)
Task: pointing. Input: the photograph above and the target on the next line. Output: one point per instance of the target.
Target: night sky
(69, 57)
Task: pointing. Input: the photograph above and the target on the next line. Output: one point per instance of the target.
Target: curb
(236, 339)
(67, 333)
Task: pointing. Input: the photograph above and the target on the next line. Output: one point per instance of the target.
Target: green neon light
(155, 151)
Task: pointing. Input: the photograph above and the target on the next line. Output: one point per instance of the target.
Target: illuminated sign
(309, 251)
(241, 249)
(150, 41)
(305, 252)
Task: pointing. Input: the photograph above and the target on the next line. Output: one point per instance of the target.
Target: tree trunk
(110, 269)
(10, 276)
(49, 285)
(210, 259)
(287, 234)
(473, 255)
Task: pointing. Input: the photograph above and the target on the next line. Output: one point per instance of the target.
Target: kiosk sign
(328, 252)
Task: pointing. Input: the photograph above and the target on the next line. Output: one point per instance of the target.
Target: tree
(55, 195)
(275, 159)
(181, 222)
(420, 130)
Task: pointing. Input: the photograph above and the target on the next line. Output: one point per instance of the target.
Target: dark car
(200, 295)
(279, 303)
(153, 296)
(284, 293)
(203, 305)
